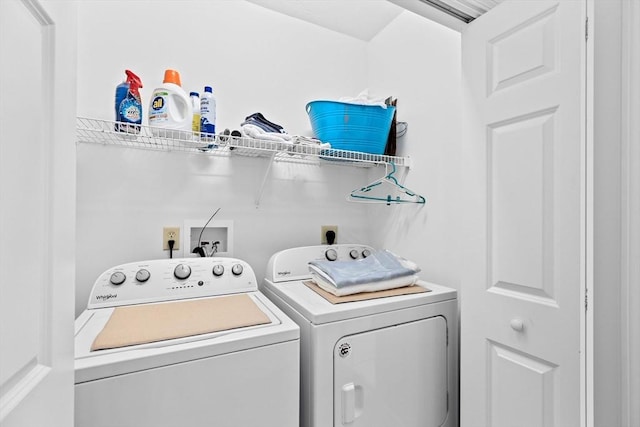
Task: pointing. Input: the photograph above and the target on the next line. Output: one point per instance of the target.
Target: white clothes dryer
(234, 372)
(382, 362)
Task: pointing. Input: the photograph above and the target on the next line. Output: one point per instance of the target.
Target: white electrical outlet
(170, 233)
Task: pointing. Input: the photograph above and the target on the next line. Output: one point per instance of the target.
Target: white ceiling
(363, 19)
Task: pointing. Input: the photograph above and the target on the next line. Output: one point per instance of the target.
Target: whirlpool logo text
(106, 297)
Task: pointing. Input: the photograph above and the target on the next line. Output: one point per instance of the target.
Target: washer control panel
(292, 264)
(171, 279)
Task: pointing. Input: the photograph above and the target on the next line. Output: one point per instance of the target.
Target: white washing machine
(383, 362)
(246, 374)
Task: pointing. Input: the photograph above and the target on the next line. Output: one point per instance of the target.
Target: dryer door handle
(352, 402)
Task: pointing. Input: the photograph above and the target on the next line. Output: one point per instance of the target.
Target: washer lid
(92, 365)
(318, 310)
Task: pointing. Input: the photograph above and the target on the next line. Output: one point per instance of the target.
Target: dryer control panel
(171, 279)
(292, 264)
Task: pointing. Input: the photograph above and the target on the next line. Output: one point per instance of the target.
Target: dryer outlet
(170, 233)
(329, 234)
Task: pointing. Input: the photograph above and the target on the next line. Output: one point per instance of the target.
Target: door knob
(517, 324)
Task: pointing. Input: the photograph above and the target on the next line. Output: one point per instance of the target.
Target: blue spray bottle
(128, 104)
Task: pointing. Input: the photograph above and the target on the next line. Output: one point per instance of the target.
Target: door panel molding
(23, 382)
(536, 59)
(518, 383)
(520, 188)
(38, 12)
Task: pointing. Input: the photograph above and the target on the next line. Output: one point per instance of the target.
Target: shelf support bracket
(264, 179)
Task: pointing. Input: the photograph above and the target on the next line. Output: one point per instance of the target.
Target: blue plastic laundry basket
(353, 127)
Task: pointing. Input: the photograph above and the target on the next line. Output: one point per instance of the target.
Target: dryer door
(395, 376)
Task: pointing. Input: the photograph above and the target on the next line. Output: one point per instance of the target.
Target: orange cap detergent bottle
(170, 110)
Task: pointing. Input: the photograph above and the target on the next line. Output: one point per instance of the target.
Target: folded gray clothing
(380, 265)
(259, 120)
(264, 127)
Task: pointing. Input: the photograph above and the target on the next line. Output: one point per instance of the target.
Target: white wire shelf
(144, 137)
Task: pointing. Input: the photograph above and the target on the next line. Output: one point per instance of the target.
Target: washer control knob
(237, 269)
(218, 270)
(366, 253)
(182, 271)
(143, 275)
(117, 278)
(353, 254)
(331, 254)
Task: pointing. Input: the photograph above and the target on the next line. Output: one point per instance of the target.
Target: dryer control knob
(366, 253)
(117, 278)
(353, 254)
(237, 269)
(218, 270)
(182, 271)
(143, 275)
(331, 254)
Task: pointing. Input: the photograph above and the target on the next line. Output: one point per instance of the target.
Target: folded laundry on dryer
(379, 271)
(382, 285)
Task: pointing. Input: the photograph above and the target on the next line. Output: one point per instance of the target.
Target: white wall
(418, 61)
(256, 60)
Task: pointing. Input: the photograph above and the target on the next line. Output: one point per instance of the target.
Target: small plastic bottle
(195, 104)
(207, 114)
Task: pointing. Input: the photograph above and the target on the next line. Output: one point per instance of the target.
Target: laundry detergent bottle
(128, 104)
(170, 108)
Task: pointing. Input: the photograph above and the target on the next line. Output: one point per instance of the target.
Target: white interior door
(37, 212)
(522, 302)
(396, 376)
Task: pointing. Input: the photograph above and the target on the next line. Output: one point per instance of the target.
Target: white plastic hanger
(385, 190)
